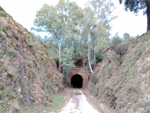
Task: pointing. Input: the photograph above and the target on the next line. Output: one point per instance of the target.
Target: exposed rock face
(123, 81)
(27, 74)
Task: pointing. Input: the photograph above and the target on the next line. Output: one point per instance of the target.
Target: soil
(81, 101)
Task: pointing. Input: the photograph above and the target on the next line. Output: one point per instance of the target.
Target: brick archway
(84, 73)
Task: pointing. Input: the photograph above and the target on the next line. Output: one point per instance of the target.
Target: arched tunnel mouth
(77, 81)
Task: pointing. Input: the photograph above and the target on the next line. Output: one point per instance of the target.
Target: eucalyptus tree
(103, 10)
(136, 5)
(60, 21)
(88, 23)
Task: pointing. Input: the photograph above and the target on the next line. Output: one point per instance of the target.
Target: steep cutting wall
(123, 81)
(28, 75)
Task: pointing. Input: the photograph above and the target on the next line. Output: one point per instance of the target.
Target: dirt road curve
(78, 103)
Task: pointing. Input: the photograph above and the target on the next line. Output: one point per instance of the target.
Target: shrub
(115, 41)
(1, 8)
(121, 48)
(94, 79)
(116, 57)
(98, 56)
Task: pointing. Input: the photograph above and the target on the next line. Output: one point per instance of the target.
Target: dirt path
(78, 103)
(81, 101)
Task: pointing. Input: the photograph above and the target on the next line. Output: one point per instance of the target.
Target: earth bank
(122, 81)
(28, 75)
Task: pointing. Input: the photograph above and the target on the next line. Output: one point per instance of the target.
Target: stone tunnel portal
(76, 81)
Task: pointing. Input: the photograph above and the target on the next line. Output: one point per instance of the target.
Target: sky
(24, 11)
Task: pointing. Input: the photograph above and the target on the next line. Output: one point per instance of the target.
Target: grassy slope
(28, 76)
(125, 85)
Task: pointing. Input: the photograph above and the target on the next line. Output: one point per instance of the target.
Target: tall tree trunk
(84, 61)
(60, 58)
(94, 56)
(148, 15)
(94, 59)
(89, 59)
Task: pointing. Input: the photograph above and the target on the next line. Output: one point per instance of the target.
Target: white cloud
(128, 22)
(24, 11)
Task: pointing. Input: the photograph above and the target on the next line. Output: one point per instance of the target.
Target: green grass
(146, 69)
(0, 35)
(9, 22)
(56, 104)
(2, 15)
(1, 94)
(4, 109)
(1, 9)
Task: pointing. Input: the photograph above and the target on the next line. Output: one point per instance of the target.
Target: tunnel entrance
(77, 81)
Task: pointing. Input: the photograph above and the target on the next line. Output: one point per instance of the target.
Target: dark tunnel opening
(76, 81)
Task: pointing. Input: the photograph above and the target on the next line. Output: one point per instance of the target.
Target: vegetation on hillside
(124, 74)
(86, 30)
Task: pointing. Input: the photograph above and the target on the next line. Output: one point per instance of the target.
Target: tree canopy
(136, 5)
(73, 29)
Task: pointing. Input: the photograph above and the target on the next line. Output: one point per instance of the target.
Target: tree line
(76, 33)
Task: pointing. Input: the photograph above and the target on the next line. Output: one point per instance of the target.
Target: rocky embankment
(28, 75)
(123, 81)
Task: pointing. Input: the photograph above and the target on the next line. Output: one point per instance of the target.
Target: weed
(9, 22)
(94, 79)
(17, 26)
(1, 96)
(1, 9)
(2, 15)
(32, 72)
(4, 30)
(148, 108)
(57, 102)
(116, 57)
(132, 90)
(146, 69)
(0, 35)
(4, 108)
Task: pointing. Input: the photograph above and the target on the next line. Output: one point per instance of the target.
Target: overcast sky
(24, 11)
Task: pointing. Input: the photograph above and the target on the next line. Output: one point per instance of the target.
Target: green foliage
(1, 94)
(4, 109)
(118, 45)
(1, 9)
(115, 40)
(70, 26)
(0, 35)
(147, 108)
(3, 15)
(62, 22)
(56, 104)
(132, 90)
(94, 79)
(121, 48)
(3, 28)
(135, 5)
(127, 37)
(98, 56)
(146, 69)
(116, 58)
(11, 70)
(5, 31)
(67, 58)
